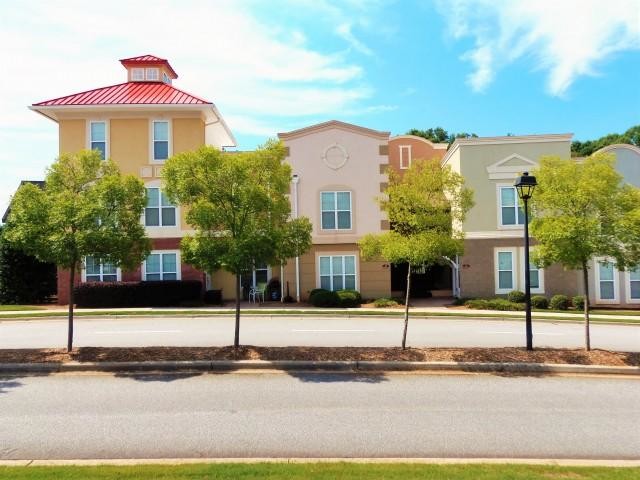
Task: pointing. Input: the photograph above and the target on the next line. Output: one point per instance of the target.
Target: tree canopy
(439, 135)
(584, 210)
(85, 208)
(588, 147)
(425, 208)
(238, 205)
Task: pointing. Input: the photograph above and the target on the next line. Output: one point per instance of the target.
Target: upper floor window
(152, 74)
(510, 211)
(335, 210)
(137, 74)
(161, 266)
(165, 78)
(405, 156)
(338, 272)
(99, 272)
(160, 140)
(98, 137)
(160, 212)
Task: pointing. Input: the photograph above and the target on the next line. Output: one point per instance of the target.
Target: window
(98, 138)
(510, 212)
(153, 74)
(161, 266)
(159, 212)
(606, 288)
(335, 210)
(633, 293)
(405, 156)
(505, 274)
(338, 272)
(160, 140)
(99, 272)
(165, 78)
(137, 74)
(536, 275)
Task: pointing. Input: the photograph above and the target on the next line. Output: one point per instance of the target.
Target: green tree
(439, 135)
(425, 208)
(586, 148)
(584, 210)
(238, 206)
(85, 208)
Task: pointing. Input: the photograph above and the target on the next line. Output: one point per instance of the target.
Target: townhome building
(139, 124)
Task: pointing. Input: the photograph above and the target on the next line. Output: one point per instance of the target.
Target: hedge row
(137, 294)
(515, 301)
(319, 297)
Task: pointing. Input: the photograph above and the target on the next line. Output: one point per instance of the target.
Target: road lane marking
(127, 332)
(331, 331)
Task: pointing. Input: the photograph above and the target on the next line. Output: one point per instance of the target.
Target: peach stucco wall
(420, 149)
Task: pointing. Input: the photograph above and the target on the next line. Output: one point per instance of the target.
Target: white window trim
(84, 273)
(133, 76)
(616, 292)
(405, 147)
(106, 135)
(156, 184)
(178, 264)
(336, 211)
(514, 272)
(627, 288)
(522, 276)
(338, 254)
(151, 140)
(517, 226)
(151, 69)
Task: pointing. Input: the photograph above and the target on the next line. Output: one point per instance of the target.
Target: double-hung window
(98, 138)
(160, 212)
(505, 273)
(510, 211)
(335, 210)
(160, 140)
(634, 285)
(338, 272)
(161, 266)
(606, 285)
(99, 272)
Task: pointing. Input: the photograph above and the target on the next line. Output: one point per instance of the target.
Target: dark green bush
(313, 292)
(384, 302)
(540, 302)
(137, 294)
(324, 298)
(516, 296)
(349, 298)
(213, 297)
(578, 302)
(559, 302)
(494, 304)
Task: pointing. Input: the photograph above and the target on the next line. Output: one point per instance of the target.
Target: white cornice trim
(617, 146)
(515, 233)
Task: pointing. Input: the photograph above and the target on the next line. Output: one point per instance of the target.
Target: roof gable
(509, 167)
(334, 124)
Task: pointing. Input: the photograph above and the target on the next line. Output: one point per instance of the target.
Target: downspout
(295, 180)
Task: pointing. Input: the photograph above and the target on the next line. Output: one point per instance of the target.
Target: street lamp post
(525, 186)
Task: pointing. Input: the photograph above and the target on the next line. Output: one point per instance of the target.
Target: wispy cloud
(344, 30)
(567, 39)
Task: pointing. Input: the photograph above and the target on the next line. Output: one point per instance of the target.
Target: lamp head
(525, 186)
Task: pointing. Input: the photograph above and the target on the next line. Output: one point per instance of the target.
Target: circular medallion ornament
(335, 156)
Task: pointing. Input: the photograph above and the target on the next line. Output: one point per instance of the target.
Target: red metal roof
(149, 60)
(130, 93)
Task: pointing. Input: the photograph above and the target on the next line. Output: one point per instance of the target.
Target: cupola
(148, 68)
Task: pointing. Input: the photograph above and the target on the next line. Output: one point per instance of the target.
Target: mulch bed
(100, 354)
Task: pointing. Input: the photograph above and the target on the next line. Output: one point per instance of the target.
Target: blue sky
(487, 67)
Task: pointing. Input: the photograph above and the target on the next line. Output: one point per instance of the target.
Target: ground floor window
(505, 279)
(606, 281)
(634, 284)
(161, 266)
(337, 272)
(95, 271)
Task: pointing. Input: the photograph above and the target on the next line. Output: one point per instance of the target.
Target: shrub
(349, 298)
(559, 302)
(137, 294)
(313, 292)
(540, 302)
(325, 298)
(578, 302)
(213, 297)
(516, 296)
(384, 302)
(494, 304)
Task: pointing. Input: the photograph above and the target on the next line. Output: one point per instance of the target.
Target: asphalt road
(310, 331)
(318, 415)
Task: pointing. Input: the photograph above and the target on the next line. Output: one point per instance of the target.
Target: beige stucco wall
(360, 175)
(188, 134)
(627, 163)
(129, 144)
(73, 135)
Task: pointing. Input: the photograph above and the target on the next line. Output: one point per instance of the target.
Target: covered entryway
(426, 282)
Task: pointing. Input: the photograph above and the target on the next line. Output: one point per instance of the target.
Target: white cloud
(567, 39)
(344, 30)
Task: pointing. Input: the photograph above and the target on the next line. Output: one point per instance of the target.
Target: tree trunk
(587, 333)
(236, 339)
(72, 275)
(406, 307)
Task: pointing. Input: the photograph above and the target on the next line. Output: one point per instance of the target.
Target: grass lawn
(13, 308)
(321, 471)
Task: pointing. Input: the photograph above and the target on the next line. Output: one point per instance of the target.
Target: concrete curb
(327, 366)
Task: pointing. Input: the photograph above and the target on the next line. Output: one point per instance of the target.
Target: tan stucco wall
(73, 135)
(360, 175)
(474, 160)
(129, 144)
(188, 134)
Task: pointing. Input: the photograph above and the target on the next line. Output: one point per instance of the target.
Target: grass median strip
(320, 471)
